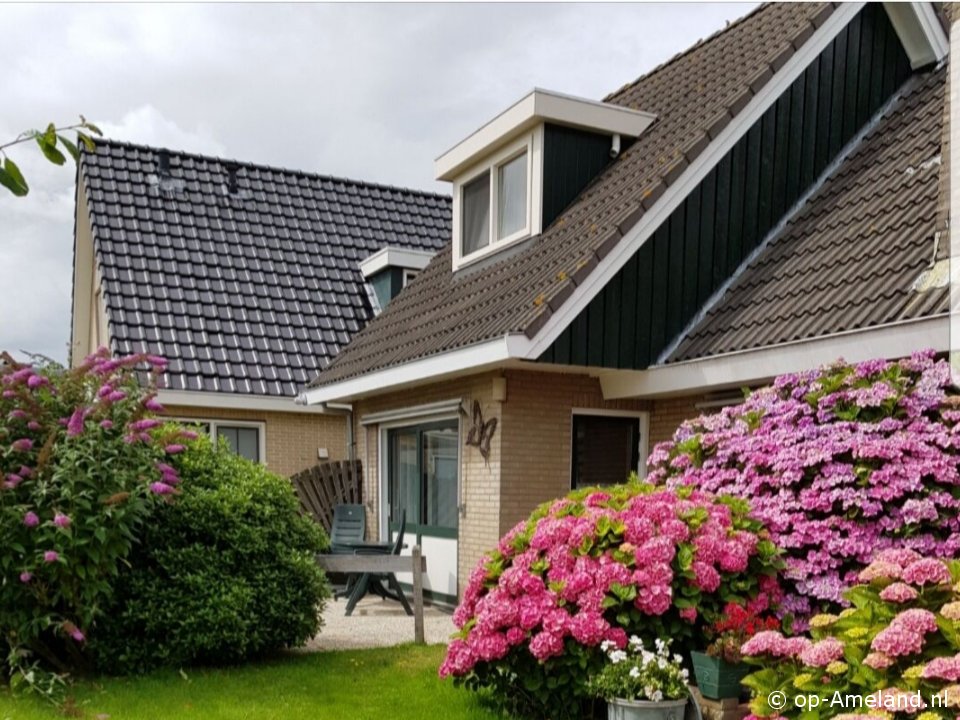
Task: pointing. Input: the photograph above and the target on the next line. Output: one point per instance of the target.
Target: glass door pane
(404, 482)
(440, 476)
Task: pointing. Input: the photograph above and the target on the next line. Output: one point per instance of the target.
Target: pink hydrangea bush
(596, 567)
(895, 643)
(838, 463)
(81, 462)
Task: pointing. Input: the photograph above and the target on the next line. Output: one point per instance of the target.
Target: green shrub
(81, 466)
(225, 573)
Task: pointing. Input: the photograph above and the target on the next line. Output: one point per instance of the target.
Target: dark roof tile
(241, 271)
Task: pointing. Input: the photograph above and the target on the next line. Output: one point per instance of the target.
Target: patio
(376, 623)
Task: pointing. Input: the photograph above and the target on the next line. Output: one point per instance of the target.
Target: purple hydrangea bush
(592, 569)
(838, 463)
(82, 459)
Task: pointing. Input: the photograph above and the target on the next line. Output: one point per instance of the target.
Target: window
(494, 202)
(422, 477)
(606, 449)
(409, 275)
(246, 439)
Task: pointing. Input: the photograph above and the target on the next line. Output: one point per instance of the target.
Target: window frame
(644, 439)
(215, 424)
(530, 143)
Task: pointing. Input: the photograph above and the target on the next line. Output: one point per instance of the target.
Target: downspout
(953, 195)
(351, 442)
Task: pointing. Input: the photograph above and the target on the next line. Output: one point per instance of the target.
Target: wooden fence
(324, 486)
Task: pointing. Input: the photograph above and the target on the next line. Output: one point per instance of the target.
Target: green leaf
(49, 149)
(93, 128)
(87, 141)
(13, 183)
(70, 146)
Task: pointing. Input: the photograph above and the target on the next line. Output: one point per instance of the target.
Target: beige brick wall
(291, 439)
(537, 435)
(667, 414)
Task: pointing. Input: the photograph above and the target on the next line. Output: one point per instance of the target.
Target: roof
(850, 257)
(251, 292)
(694, 95)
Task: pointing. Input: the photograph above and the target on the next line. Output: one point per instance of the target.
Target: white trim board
(395, 257)
(751, 366)
(919, 30)
(234, 401)
(536, 107)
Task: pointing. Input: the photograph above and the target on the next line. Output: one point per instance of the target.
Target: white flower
(648, 692)
(634, 672)
(685, 674)
(606, 645)
(657, 696)
(677, 658)
(635, 642)
(661, 663)
(617, 656)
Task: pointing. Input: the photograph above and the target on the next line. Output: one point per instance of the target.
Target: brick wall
(291, 439)
(537, 435)
(667, 414)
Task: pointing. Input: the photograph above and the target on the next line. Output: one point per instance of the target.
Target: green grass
(398, 683)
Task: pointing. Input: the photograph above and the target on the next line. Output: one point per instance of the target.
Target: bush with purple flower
(72, 497)
(838, 463)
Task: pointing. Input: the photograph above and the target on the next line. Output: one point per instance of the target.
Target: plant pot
(619, 709)
(716, 678)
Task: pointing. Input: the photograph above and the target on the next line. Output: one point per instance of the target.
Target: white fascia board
(919, 30)
(753, 366)
(675, 194)
(469, 360)
(235, 401)
(535, 108)
(444, 407)
(395, 257)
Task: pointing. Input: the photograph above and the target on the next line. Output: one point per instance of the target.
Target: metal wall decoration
(480, 433)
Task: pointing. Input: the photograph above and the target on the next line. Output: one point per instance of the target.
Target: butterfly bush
(898, 643)
(838, 463)
(592, 569)
(81, 462)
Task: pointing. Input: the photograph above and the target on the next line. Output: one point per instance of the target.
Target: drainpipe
(348, 409)
(953, 194)
(615, 145)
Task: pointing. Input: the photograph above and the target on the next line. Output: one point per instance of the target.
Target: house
(247, 278)
(771, 199)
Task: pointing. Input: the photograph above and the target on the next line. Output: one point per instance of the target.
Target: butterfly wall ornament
(480, 433)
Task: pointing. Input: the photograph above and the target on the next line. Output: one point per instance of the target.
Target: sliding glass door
(423, 477)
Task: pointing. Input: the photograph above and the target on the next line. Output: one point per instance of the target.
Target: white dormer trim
(920, 31)
(537, 107)
(530, 143)
(395, 257)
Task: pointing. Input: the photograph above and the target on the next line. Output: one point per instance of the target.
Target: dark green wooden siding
(387, 284)
(571, 159)
(663, 286)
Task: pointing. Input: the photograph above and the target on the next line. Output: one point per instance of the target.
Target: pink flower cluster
(837, 462)
(563, 576)
(774, 644)
(904, 635)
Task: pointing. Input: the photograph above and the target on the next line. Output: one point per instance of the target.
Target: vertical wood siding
(703, 242)
(571, 159)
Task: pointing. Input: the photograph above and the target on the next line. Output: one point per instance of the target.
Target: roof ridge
(684, 53)
(272, 168)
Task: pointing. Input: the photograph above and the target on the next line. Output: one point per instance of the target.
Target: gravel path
(376, 623)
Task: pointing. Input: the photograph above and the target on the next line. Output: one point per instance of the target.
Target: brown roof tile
(690, 94)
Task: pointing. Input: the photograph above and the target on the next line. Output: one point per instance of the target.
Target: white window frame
(383, 469)
(530, 143)
(216, 423)
(644, 450)
(408, 275)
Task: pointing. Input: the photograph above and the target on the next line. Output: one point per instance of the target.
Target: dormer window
(512, 177)
(388, 271)
(499, 191)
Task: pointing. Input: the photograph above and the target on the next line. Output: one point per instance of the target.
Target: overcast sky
(374, 92)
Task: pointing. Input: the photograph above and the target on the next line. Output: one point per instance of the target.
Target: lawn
(395, 683)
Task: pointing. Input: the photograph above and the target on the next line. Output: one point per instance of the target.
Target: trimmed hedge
(225, 573)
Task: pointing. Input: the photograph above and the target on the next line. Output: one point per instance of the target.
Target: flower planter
(618, 709)
(716, 678)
